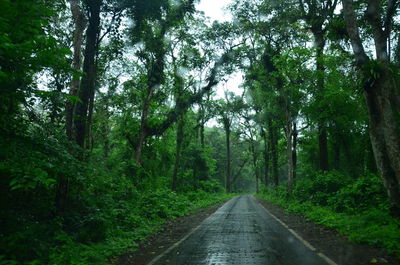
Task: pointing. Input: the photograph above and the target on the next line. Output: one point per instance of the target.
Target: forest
(111, 123)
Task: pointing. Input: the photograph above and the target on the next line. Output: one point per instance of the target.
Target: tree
(227, 110)
(380, 87)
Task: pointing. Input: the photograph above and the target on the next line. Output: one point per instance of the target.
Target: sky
(215, 10)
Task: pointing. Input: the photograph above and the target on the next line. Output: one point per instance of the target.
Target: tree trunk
(336, 149)
(80, 24)
(323, 149)
(143, 126)
(202, 122)
(253, 152)
(89, 136)
(227, 127)
(273, 139)
(384, 133)
(89, 69)
(381, 92)
(266, 158)
(322, 133)
(289, 146)
(294, 152)
(179, 141)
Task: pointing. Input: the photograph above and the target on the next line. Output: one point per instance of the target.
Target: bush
(212, 186)
(364, 193)
(320, 187)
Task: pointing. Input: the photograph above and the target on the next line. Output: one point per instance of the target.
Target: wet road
(241, 232)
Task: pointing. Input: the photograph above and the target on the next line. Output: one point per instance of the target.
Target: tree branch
(240, 170)
(354, 34)
(180, 108)
(380, 38)
(391, 9)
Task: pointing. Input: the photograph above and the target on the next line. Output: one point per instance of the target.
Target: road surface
(241, 232)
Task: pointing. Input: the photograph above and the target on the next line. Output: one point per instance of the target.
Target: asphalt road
(241, 232)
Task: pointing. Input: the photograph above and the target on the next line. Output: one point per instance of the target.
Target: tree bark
(380, 91)
(294, 151)
(273, 139)
(143, 131)
(322, 132)
(80, 24)
(286, 108)
(266, 158)
(227, 127)
(89, 69)
(254, 155)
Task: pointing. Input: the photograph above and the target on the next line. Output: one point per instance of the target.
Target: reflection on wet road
(241, 232)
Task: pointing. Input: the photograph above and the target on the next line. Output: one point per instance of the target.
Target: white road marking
(308, 245)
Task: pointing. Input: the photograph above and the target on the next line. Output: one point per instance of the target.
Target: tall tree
(318, 14)
(79, 27)
(381, 89)
(88, 81)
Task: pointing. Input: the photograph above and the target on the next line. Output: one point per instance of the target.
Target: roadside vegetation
(356, 208)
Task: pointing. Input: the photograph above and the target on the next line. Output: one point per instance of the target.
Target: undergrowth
(357, 209)
(112, 226)
(136, 222)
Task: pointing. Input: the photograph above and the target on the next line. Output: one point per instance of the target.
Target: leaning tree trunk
(384, 132)
(381, 93)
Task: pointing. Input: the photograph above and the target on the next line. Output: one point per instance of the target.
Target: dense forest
(110, 122)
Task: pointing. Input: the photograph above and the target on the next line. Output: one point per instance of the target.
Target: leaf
(73, 99)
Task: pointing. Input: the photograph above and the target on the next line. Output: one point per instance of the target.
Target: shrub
(364, 193)
(212, 186)
(319, 187)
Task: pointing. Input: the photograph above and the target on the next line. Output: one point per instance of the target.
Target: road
(241, 232)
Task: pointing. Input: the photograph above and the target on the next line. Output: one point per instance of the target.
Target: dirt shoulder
(171, 232)
(329, 242)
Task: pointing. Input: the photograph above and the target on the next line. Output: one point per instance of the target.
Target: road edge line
(168, 250)
(302, 240)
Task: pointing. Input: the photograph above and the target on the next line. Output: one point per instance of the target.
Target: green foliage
(319, 187)
(357, 208)
(362, 194)
(211, 186)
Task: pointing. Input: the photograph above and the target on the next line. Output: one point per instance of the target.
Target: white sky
(214, 9)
